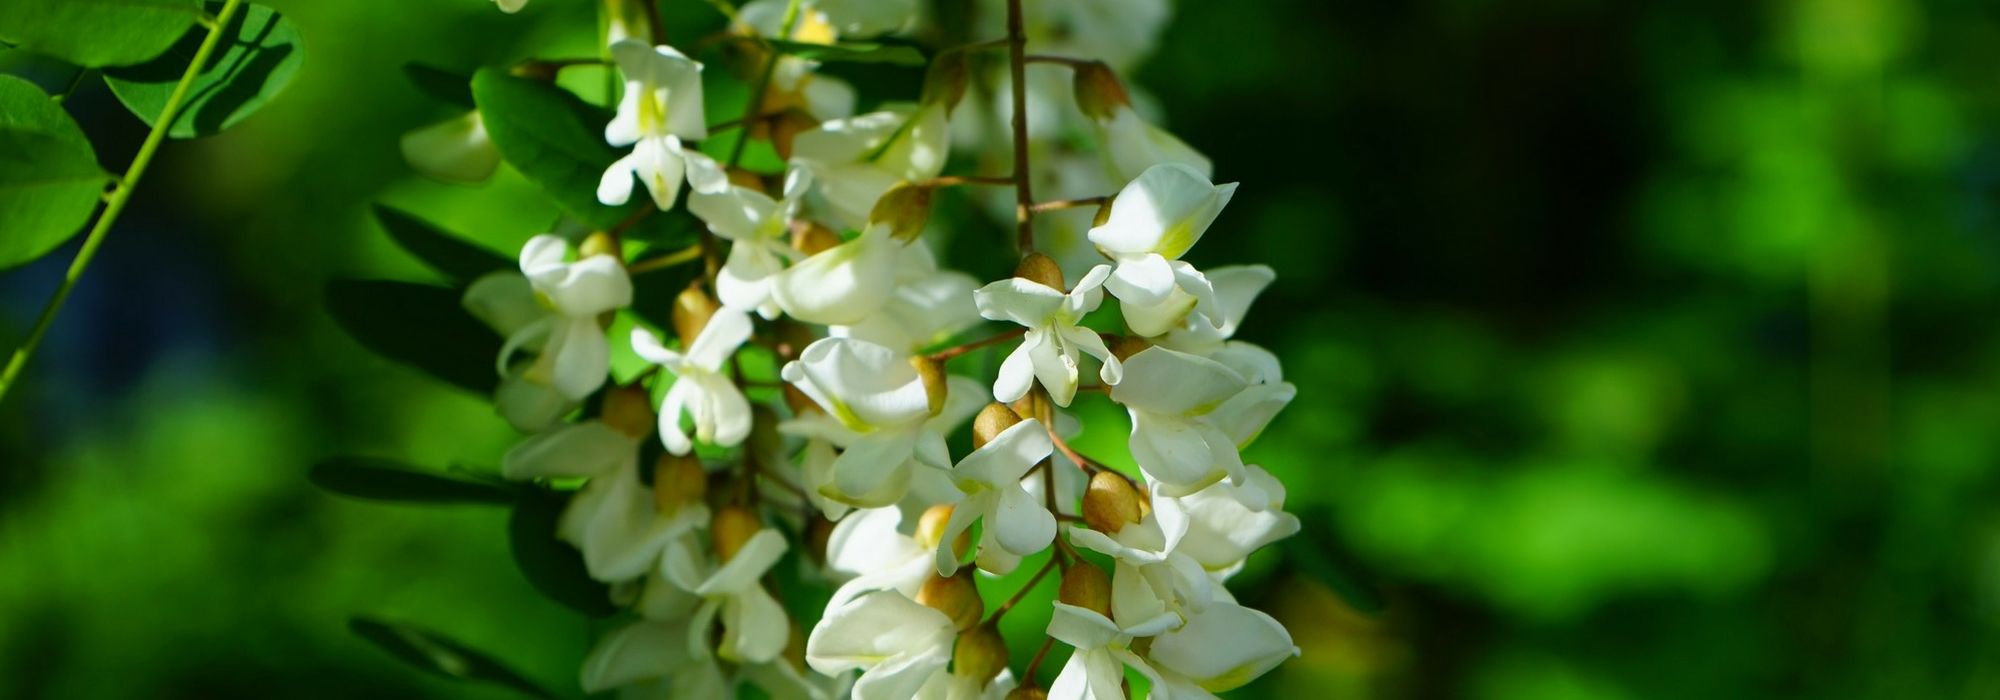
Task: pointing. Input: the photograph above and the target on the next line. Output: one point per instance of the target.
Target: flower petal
(1224, 647)
(754, 627)
(588, 448)
(1021, 524)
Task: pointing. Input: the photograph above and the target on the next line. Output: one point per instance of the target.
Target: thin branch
(955, 180)
(1023, 593)
(955, 351)
(1060, 204)
(1024, 196)
(1059, 60)
(684, 255)
(1028, 677)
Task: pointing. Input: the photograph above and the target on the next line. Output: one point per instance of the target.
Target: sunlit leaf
(554, 567)
(419, 325)
(553, 138)
(97, 33)
(851, 52)
(260, 51)
(457, 259)
(49, 178)
(385, 480)
(435, 653)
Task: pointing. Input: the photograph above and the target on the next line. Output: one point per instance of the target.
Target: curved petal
(1142, 280)
(754, 627)
(1159, 380)
(841, 285)
(743, 571)
(1020, 523)
(614, 188)
(1224, 647)
(1002, 461)
(737, 213)
(1017, 372)
(1021, 301)
(636, 652)
(584, 361)
(726, 331)
(504, 301)
(588, 448)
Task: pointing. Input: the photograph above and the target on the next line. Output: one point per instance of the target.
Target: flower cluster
(836, 467)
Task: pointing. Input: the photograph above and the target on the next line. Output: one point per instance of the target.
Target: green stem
(115, 202)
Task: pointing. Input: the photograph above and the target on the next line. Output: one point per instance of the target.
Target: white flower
(510, 6)
(1243, 416)
(552, 308)
(864, 18)
(650, 653)
(840, 285)
(756, 227)
(1151, 575)
(879, 412)
(855, 160)
(1096, 670)
(1169, 395)
(1054, 340)
(1154, 220)
(927, 305)
(720, 414)
(1226, 522)
(662, 105)
(867, 546)
(990, 477)
(1236, 286)
(1219, 649)
(898, 644)
(613, 519)
(1131, 145)
(455, 150)
(754, 626)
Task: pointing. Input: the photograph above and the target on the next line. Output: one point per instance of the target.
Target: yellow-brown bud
(1088, 587)
(992, 420)
(629, 410)
(956, 596)
(733, 527)
(1028, 693)
(819, 531)
(677, 481)
(1099, 93)
(1110, 503)
(930, 529)
(946, 80)
(786, 127)
(745, 178)
(812, 239)
(1041, 269)
(692, 309)
(904, 209)
(981, 654)
(936, 389)
(1125, 346)
(598, 244)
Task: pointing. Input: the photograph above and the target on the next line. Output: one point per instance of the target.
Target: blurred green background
(1644, 351)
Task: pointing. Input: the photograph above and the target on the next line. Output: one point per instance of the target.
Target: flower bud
(981, 654)
(599, 243)
(677, 481)
(692, 309)
(733, 527)
(992, 420)
(1099, 93)
(1088, 587)
(936, 389)
(930, 529)
(629, 410)
(811, 238)
(1041, 269)
(956, 596)
(945, 82)
(1125, 346)
(1110, 503)
(904, 208)
(819, 531)
(1103, 215)
(786, 127)
(1028, 693)
(744, 178)
(1024, 406)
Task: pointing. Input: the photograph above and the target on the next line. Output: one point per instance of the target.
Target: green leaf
(420, 325)
(385, 480)
(851, 52)
(49, 178)
(555, 139)
(260, 51)
(97, 33)
(434, 653)
(553, 566)
(440, 84)
(457, 259)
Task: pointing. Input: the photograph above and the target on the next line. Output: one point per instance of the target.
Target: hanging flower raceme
(833, 283)
(662, 106)
(553, 309)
